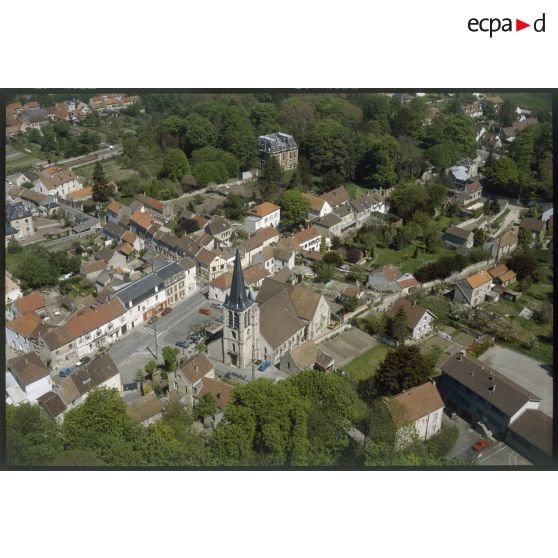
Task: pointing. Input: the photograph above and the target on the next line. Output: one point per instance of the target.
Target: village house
(502, 276)
(162, 288)
(101, 372)
(502, 245)
(187, 380)
(190, 222)
(56, 181)
(210, 264)
(417, 413)
(33, 302)
(91, 270)
(469, 197)
(275, 258)
(280, 146)
(27, 378)
(317, 207)
(260, 216)
(77, 197)
(86, 331)
(220, 229)
(472, 290)
(308, 239)
(53, 404)
(459, 238)
(536, 228)
(336, 197)
(329, 226)
(220, 287)
(219, 391)
(306, 356)
(418, 319)
(146, 409)
(159, 210)
(474, 109)
(257, 242)
(480, 394)
(19, 218)
(21, 331)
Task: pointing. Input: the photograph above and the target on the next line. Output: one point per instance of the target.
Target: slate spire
(239, 298)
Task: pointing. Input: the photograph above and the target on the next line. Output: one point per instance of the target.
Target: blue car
(65, 372)
(264, 365)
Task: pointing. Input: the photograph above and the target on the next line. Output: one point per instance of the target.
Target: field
(404, 258)
(112, 168)
(542, 101)
(366, 364)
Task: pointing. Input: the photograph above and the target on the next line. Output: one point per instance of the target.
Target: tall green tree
(294, 209)
(175, 164)
(32, 437)
(101, 190)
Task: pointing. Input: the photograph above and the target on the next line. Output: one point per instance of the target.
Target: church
(266, 328)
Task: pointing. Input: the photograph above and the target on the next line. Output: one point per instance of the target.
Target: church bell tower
(241, 322)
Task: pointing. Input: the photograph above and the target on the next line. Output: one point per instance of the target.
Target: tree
(235, 207)
(297, 115)
(353, 254)
(523, 263)
(175, 164)
(479, 236)
(150, 367)
(264, 118)
(272, 171)
(265, 424)
(13, 246)
(169, 358)
(205, 407)
(199, 132)
(503, 175)
(397, 326)
(102, 191)
(333, 258)
(349, 303)
(324, 271)
(32, 437)
(294, 209)
(507, 113)
(379, 160)
(403, 368)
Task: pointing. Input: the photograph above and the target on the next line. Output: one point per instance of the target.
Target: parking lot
(135, 350)
(525, 371)
(498, 455)
(348, 345)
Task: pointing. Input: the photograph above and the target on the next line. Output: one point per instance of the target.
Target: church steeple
(240, 297)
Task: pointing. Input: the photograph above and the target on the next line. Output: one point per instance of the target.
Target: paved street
(131, 353)
(525, 371)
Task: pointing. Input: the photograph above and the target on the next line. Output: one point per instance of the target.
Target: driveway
(524, 370)
(348, 345)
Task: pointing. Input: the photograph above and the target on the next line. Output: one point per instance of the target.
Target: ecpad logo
(493, 25)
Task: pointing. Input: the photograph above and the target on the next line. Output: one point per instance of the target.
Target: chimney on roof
(196, 367)
(218, 395)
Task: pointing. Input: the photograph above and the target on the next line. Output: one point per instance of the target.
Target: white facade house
(419, 320)
(27, 377)
(55, 181)
(417, 413)
(309, 239)
(261, 216)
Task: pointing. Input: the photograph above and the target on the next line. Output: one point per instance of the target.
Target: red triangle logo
(519, 25)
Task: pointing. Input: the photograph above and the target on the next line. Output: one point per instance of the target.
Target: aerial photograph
(278, 279)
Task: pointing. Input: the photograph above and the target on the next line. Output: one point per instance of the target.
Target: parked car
(482, 444)
(215, 305)
(83, 360)
(131, 386)
(65, 372)
(205, 310)
(166, 311)
(231, 375)
(183, 343)
(264, 365)
(153, 319)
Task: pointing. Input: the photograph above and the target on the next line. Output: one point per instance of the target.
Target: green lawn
(354, 190)
(404, 258)
(23, 163)
(529, 99)
(112, 167)
(438, 305)
(366, 364)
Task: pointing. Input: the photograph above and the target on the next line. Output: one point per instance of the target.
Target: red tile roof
(30, 303)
